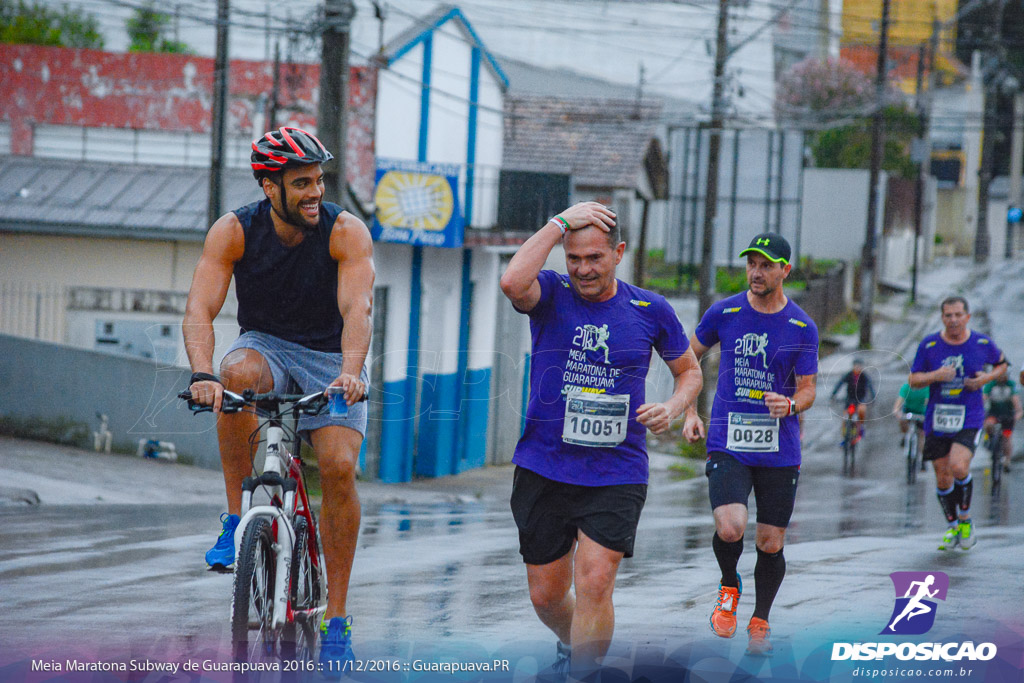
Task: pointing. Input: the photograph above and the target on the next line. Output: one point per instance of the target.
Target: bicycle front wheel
(299, 638)
(912, 456)
(252, 605)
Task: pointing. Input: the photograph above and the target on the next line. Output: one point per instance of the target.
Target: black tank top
(289, 292)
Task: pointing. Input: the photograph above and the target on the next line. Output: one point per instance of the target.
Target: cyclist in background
(303, 272)
(1003, 409)
(913, 401)
(859, 392)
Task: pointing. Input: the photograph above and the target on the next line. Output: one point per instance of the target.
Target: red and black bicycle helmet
(286, 147)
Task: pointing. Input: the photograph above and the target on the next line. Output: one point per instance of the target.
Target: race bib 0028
(753, 433)
(597, 420)
(948, 418)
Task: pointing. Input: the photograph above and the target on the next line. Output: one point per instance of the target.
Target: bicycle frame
(282, 512)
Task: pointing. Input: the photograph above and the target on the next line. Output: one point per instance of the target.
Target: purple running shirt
(760, 352)
(588, 370)
(951, 407)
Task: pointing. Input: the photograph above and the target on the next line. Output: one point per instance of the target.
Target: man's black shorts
(730, 481)
(549, 513)
(936, 446)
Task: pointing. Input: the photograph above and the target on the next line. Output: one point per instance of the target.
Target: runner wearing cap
(951, 363)
(581, 464)
(766, 377)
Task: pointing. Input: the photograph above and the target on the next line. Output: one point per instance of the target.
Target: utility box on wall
(140, 338)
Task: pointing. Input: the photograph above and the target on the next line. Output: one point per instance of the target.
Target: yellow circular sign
(414, 200)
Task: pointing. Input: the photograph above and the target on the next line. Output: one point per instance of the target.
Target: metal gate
(760, 183)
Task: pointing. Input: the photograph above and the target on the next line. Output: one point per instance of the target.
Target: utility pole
(332, 116)
(927, 51)
(867, 265)
(982, 240)
(1016, 152)
(220, 99)
(707, 265)
(275, 91)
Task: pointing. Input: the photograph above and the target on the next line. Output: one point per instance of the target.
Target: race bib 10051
(599, 420)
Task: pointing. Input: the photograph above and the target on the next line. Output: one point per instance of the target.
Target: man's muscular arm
(224, 246)
(352, 248)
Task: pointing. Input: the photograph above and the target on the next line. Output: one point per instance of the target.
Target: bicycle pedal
(221, 569)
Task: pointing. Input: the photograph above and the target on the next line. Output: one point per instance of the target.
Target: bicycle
(279, 589)
(995, 444)
(851, 436)
(913, 439)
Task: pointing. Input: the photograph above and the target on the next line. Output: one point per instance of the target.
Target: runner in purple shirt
(766, 375)
(952, 363)
(581, 464)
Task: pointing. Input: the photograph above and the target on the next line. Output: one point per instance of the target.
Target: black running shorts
(730, 481)
(549, 513)
(936, 446)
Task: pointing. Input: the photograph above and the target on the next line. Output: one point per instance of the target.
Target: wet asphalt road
(438, 567)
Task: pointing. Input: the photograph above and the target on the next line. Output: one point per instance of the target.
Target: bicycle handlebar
(310, 404)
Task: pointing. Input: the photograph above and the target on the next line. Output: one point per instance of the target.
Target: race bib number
(753, 433)
(598, 420)
(948, 417)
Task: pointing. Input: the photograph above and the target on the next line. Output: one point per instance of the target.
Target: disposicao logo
(916, 592)
(914, 614)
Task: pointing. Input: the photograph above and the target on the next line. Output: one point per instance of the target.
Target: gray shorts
(296, 369)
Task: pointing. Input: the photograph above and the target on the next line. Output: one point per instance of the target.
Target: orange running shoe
(723, 617)
(759, 645)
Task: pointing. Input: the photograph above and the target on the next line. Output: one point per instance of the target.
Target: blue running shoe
(222, 555)
(336, 647)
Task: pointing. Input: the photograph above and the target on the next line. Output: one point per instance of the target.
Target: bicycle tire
(848, 436)
(252, 601)
(997, 458)
(912, 455)
(853, 450)
(299, 637)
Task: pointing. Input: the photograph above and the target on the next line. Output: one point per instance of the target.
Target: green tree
(850, 146)
(146, 28)
(37, 24)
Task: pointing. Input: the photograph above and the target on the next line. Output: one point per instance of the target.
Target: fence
(824, 299)
(33, 310)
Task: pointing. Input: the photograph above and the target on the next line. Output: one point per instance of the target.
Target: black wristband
(204, 377)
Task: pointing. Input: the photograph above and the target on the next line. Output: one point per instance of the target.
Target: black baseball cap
(771, 245)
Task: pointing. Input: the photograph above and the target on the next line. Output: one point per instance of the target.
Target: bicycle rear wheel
(997, 459)
(252, 604)
(298, 640)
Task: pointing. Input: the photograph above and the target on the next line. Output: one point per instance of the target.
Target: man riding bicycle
(1003, 409)
(303, 272)
(913, 402)
(859, 392)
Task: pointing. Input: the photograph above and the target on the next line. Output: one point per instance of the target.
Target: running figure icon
(601, 334)
(915, 607)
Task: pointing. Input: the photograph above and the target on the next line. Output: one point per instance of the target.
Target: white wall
(95, 262)
(440, 311)
(394, 265)
(398, 107)
(834, 216)
(489, 146)
(486, 295)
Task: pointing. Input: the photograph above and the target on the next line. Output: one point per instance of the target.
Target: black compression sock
(728, 555)
(768, 574)
(948, 500)
(965, 487)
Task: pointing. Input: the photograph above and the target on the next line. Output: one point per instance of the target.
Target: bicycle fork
(284, 538)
